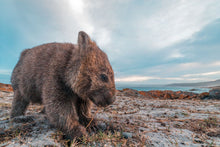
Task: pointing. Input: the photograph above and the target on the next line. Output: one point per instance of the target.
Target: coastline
(159, 92)
(163, 88)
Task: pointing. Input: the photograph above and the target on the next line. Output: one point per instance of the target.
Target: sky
(147, 41)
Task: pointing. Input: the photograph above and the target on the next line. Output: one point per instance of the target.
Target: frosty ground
(140, 121)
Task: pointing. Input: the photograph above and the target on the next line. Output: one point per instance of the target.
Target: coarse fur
(65, 78)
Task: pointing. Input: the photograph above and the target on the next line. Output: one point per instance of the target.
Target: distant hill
(199, 84)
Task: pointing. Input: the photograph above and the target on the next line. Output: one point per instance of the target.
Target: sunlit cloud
(182, 79)
(173, 73)
(133, 79)
(216, 63)
(81, 16)
(146, 78)
(177, 21)
(194, 65)
(189, 65)
(77, 6)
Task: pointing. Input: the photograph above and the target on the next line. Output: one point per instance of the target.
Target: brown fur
(65, 78)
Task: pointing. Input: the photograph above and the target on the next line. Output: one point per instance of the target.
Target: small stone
(127, 135)
(102, 126)
(2, 132)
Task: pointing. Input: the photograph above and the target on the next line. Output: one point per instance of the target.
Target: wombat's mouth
(103, 100)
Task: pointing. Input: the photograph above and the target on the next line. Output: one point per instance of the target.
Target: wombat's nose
(109, 97)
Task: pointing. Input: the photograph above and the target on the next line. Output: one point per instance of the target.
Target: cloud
(184, 78)
(215, 63)
(198, 65)
(167, 73)
(203, 74)
(77, 5)
(5, 72)
(80, 15)
(150, 38)
(83, 18)
(175, 54)
(177, 21)
(134, 79)
(144, 79)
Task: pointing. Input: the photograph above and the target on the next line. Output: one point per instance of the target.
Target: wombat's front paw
(77, 132)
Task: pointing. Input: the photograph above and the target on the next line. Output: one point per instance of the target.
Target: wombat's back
(37, 64)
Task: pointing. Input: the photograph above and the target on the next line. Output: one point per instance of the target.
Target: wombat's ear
(83, 41)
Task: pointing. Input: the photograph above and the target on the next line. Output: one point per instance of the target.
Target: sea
(149, 87)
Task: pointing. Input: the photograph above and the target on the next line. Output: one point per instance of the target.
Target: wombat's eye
(104, 78)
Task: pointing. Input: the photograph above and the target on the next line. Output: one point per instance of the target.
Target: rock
(130, 92)
(183, 96)
(127, 135)
(102, 126)
(174, 96)
(156, 93)
(194, 96)
(193, 89)
(179, 92)
(167, 96)
(215, 93)
(143, 93)
(203, 95)
(6, 87)
(186, 95)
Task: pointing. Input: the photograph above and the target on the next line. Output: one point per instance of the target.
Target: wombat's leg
(91, 124)
(19, 105)
(85, 118)
(84, 112)
(62, 114)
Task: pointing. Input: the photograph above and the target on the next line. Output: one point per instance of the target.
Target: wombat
(65, 78)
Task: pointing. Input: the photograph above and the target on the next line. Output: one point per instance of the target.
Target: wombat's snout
(103, 99)
(109, 97)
